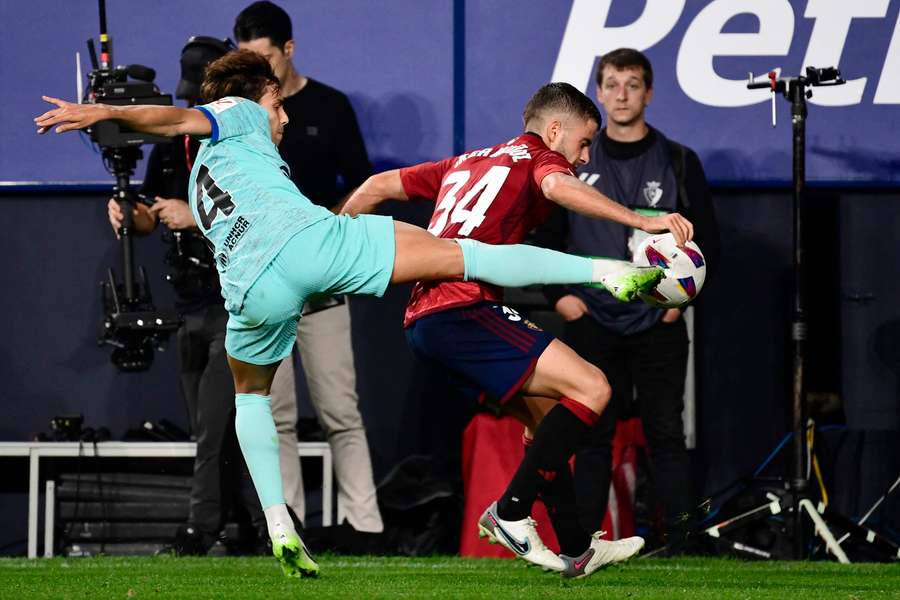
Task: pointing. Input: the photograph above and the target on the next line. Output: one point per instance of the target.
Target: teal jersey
(242, 196)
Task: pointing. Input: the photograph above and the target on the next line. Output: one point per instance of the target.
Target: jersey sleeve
(232, 117)
(423, 181)
(546, 163)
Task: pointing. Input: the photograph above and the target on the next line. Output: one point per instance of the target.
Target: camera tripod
(132, 325)
(795, 500)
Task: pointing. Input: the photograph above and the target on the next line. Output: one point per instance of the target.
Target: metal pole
(126, 232)
(105, 45)
(34, 476)
(797, 93)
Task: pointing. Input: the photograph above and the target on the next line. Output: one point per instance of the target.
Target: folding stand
(796, 501)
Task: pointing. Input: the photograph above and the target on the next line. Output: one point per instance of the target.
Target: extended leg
(421, 256)
(258, 438)
(284, 412)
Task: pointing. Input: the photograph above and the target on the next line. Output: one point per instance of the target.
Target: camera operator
(205, 377)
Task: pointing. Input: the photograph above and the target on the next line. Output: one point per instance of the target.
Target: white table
(37, 450)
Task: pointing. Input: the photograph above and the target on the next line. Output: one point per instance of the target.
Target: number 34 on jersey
(471, 208)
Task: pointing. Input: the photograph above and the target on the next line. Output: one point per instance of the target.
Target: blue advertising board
(430, 77)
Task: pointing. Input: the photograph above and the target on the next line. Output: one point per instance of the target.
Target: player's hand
(355, 204)
(69, 116)
(115, 215)
(173, 213)
(671, 315)
(571, 307)
(144, 222)
(678, 226)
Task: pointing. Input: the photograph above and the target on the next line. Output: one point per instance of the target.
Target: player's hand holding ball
(684, 269)
(674, 223)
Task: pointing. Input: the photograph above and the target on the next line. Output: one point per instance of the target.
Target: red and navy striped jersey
(492, 195)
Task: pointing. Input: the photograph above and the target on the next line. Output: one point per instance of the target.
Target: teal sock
(518, 265)
(256, 434)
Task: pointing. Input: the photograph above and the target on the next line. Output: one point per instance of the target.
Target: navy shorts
(488, 350)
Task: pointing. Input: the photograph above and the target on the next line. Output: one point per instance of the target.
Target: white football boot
(600, 554)
(521, 537)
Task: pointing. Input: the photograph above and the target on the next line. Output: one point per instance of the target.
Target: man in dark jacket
(637, 346)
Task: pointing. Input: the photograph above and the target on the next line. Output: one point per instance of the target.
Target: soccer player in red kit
(497, 195)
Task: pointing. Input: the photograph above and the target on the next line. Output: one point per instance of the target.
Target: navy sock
(555, 440)
(559, 498)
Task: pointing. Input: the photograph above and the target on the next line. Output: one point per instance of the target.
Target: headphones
(199, 51)
(222, 46)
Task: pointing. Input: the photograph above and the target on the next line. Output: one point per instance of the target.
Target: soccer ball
(684, 269)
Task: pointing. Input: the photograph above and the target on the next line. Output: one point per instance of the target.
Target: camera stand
(123, 162)
(792, 498)
(132, 325)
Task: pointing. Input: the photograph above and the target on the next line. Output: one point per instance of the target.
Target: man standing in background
(636, 345)
(323, 147)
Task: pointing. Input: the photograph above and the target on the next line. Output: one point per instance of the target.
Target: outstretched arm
(375, 190)
(577, 196)
(158, 120)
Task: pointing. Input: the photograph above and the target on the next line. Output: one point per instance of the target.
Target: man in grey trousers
(323, 147)
(323, 338)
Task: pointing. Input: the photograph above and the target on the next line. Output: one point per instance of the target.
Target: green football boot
(627, 283)
(295, 559)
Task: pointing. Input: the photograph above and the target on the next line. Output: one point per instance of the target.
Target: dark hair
(561, 97)
(625, 58)
(263, 20)
(241, 73)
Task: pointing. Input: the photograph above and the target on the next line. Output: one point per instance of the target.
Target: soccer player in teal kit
(274, 249)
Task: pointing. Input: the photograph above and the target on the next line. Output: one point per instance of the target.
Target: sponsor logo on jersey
(222, 104)
(531, 325)
(652, 193)
(589, 178)
(238, 230)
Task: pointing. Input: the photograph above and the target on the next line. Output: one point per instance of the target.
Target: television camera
(132, 325)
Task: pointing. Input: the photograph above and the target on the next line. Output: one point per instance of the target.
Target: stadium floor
(438, 577)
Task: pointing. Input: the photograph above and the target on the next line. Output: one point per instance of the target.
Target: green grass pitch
(355, 578)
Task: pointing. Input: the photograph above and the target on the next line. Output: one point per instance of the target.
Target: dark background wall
(58, 247)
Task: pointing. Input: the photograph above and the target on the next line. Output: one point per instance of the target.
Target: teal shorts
(340, 255)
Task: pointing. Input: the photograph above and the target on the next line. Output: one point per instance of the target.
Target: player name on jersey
(517, 152)
(492, 195)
